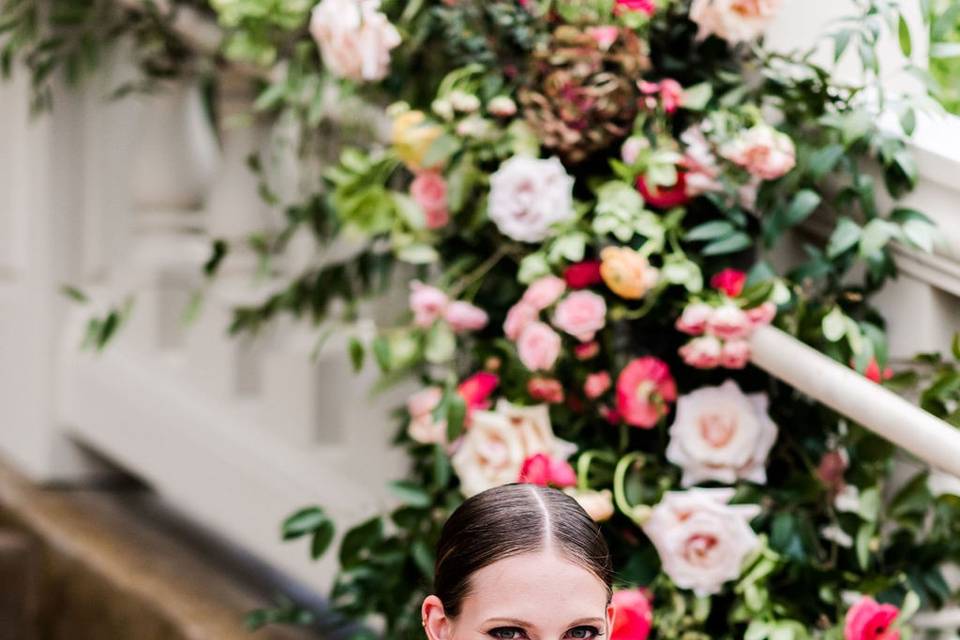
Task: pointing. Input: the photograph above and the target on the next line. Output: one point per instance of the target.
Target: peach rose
(538, 346)
(597, 504)
(733, 20)
(581, 314)
(494, 448)
(721, 434)
(626, 272)
(763, 151)
(423, 428)
(702, 541)
(354, 37)
(463, 316)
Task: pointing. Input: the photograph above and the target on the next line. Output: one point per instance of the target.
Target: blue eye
(508, 633)
(583, 632)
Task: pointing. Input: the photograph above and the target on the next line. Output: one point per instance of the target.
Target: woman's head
(517, 562)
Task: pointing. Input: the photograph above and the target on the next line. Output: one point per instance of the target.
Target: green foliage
(943, 16)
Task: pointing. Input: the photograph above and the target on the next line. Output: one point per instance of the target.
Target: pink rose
(355, 38)
(763, 314)
(729, 322)
(518, 317)
(763, 151)
(631, 149)
(646, 6)
(477, 389)
(729, 281)
(427, 303)
(604, 36)
(429, 190)
(423, 428)
(671, 95)
(581, 314)
(586, 350)
(464, 316)
(693, 320)
(544, 292)
(538, 346)
(634, 617)
(545, 390)
(870, 620)
(735, 354)
(596, 384)
(703, 352)
(644, 390)
(543, 470)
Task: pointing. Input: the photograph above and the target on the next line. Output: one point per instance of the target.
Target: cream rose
(493, 450)
(354, 37)
(721, 434)
(597, 504)
(528, 196)
(702, 540)
(733, 20)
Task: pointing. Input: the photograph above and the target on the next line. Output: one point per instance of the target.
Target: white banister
(851, 394)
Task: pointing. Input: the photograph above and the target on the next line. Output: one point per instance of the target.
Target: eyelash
(493, 633)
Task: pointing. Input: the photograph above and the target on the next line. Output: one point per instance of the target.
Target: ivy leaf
(710, 230)
(321, 540)
(824, 160)
(803, 204)
(844, 237)
(304, 522)
(730, 244)
(411, 493)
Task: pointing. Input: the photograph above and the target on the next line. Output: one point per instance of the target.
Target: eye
(583, 632)
(510, 633)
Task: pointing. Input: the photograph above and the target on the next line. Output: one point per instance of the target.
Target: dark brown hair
(510, 520)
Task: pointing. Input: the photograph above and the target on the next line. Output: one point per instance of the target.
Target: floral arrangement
(583, 199)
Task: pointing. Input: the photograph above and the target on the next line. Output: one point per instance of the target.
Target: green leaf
(695, 98)
(381, 351)
(456, 415)
(441, 150)
(955, 346)
(834, 325)
(822, 161)
(730, 244)
(321, 540)
(411, 493)
(903, 33)
(303, 522)
(803, 204)
(864, 535)
(844, 237)
(357, 354)
(876, 235)
(74, 293)
(441, 344)
(359, 539)
(710, 231)
(423, 557)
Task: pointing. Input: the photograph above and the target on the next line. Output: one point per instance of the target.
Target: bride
(520, 562)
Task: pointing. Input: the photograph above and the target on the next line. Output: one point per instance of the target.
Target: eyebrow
(523, 623)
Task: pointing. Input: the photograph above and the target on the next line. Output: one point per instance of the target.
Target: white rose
(528, 195)
(597, 504)
(702, 540)
(354, 37)
(733, 20)
(722, 434)
(492, 451)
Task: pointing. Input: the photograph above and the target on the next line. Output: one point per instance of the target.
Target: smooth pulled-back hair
(510, 520)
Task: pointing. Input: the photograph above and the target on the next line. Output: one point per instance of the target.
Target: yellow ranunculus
(626, 272)
(412, 136)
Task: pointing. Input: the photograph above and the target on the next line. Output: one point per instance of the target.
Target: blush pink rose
(870, 620)
(538, 346)
(703, 352)
(597, 384)
(729, 281)
(669, 90)
(355, 38)
(631, 149)
(634, 617)
(423, 428)
(586, 350)
(645, 390)
(763, 151)
(581, 314)
(693, 320)
(463, 316)
(427, 303)
(763, 314)
(518, 317)
(729, 322)
(429, 190)
(544, 292)
(544, 470)
(735, 354)
(546, 390)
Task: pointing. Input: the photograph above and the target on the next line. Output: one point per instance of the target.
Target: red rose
(583, 274)
(730, 281)
(634, 615)
(665, 197)
(477, 389)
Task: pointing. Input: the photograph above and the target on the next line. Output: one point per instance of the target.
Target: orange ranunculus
(626, 272)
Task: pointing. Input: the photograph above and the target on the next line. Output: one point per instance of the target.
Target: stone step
(101, 564)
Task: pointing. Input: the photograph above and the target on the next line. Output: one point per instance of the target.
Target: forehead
(531, 586)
